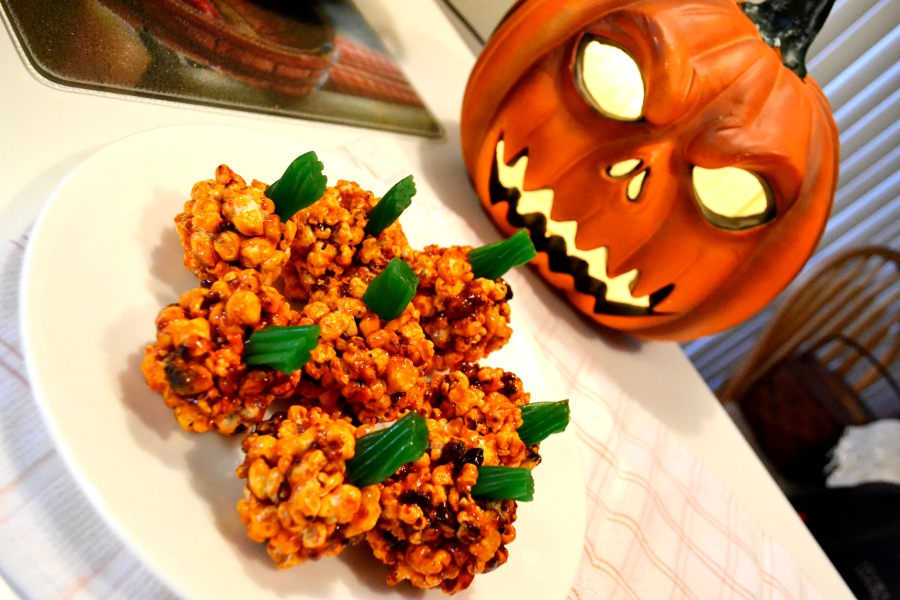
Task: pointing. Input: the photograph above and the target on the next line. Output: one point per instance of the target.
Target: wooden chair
(824, 360)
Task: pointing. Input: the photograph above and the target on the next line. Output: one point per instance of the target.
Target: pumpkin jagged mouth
(531, 209)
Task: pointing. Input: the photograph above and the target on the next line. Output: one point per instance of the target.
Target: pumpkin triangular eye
(733, 198)
(610, 79)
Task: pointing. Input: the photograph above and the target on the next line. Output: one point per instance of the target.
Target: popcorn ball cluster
(432, 532)
(229, 226)
(371, 369)
(296, 498)
(196, 361)
(482, 404)
(466, 317)
(225, 352)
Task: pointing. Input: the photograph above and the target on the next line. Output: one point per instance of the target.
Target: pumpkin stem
(790, 25)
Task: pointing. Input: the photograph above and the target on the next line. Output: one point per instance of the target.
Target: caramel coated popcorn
(296, 499)
(466, 317)
(331, 239)
(368, 368)
(431, 532)
(422, 522)
(481, 405)
(229, 226)
(196, 362)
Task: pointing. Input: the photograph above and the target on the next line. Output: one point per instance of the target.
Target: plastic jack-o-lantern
(674, 170)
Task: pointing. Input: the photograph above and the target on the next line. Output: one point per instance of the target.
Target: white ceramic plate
(103, 259)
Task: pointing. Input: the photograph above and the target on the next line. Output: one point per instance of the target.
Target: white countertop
(47, 131)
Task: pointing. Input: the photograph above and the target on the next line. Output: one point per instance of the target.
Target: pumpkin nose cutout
(630, 168)
(623, 169)
(636, 186)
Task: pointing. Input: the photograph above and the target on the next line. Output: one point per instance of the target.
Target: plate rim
(83, 481)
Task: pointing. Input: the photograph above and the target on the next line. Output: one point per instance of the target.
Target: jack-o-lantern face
(672, 173)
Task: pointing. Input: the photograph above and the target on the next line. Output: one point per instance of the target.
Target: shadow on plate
(151, 423)
(151, 416)
(169, 278)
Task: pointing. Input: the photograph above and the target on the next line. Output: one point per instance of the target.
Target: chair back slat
(855, 294)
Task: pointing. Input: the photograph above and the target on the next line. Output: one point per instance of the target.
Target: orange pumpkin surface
(612, 200)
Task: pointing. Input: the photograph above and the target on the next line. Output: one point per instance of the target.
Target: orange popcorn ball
(481, 404)
(431, 531)
(296, 499)
(466, 317)
(369, 368)
(196, 361)
(229, 226)
(331, 239)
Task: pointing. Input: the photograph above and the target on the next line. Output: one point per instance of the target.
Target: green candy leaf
(392, 204)
(391, 291)
(379, 454)
(504, 483)
(284, 348)
(542, 419)
(302, 184)
(494, 260)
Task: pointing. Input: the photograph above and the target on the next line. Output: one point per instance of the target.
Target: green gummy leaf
(391, 291)
(379, 454)
(302, 184)
(392, 204)
(284, 348)
(504, 483)
(540, 420)
(494, 260)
